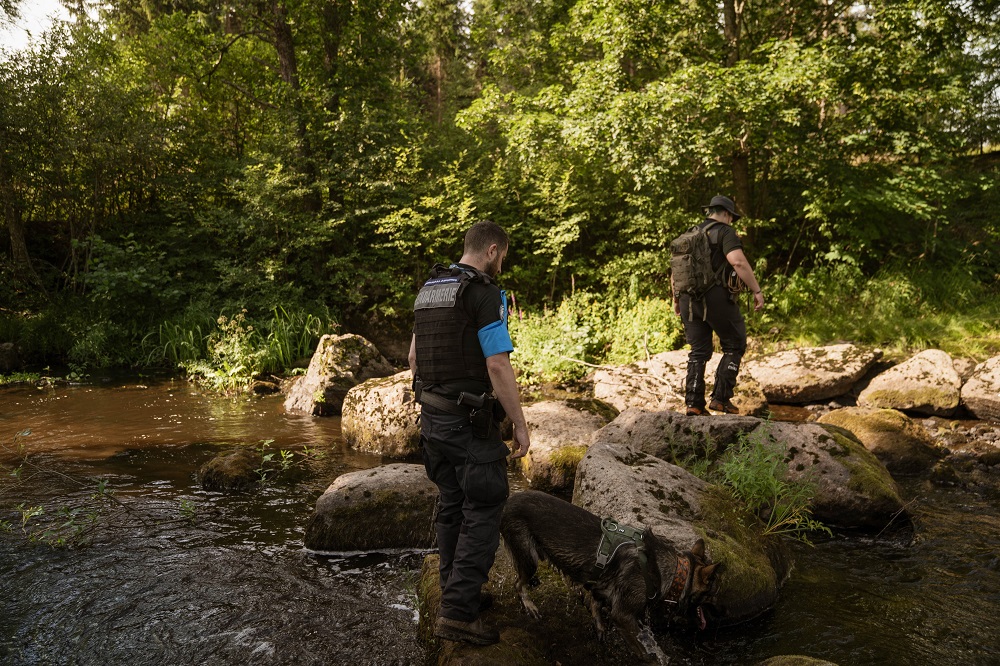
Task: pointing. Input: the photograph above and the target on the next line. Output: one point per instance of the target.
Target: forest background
(215, 184)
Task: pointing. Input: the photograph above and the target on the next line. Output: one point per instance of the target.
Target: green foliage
(756, 472)
(234, 356)
(899, 309)
(160, 162)
(19, 378)
(275, 465)
(552, 345)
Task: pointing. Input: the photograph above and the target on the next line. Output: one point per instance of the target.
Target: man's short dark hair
(483, 234)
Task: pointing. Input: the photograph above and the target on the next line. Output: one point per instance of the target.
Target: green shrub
(640, 329)
(552, 345)
(555, 345)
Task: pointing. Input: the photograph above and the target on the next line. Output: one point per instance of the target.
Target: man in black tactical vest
(464, 382)
(718, 311)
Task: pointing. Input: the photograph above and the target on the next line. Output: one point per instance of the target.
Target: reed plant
(229, 353)
(291, 338)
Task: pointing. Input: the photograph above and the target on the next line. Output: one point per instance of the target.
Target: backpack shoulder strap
(708, 227)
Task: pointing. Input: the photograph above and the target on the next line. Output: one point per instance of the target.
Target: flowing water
(172, 574)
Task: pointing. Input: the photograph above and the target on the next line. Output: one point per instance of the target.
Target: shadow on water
(177, 575)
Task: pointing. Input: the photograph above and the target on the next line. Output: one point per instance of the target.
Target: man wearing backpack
(712, 307)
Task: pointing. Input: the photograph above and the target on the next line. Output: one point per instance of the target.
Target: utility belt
(484, 411)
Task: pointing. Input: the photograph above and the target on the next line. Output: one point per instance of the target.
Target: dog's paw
(531, 609)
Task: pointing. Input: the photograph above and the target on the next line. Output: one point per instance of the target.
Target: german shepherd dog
(537, 526)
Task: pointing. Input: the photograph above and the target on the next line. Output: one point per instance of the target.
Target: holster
(481, 413)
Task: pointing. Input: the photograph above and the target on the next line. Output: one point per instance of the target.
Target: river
(172, 574)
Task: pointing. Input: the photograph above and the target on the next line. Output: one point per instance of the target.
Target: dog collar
(677, 588)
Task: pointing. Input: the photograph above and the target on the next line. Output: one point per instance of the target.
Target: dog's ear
(705, 575)
(698, 549)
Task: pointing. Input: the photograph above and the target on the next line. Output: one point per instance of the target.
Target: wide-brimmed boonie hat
(724, 202)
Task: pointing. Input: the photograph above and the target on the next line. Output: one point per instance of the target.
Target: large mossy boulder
(658, 384)
(617, 480)
(903, 446)
(812, 373)
(561, 431)
(380, 416)
(926, 383)
(854, 490)
(339, 363)
(981, 394)
(385, 507)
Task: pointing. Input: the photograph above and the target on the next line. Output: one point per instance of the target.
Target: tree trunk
(336, 16)
(732, 11)
(284, 45)
(742, 180)
(20, 257)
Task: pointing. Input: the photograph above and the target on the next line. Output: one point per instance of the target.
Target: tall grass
(291, 338)
(227, 354)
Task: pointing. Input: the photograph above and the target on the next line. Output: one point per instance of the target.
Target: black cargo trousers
(719, 312)
(471, 476)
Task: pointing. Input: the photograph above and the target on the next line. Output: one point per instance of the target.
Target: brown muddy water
(172, 574)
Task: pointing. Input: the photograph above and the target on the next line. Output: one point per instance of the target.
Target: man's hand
(758, 302)
(523, 442)
(505, 387)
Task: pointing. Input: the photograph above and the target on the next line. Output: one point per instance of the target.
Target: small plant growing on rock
(756, 472)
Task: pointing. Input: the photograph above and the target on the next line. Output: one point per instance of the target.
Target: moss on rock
(756, 565)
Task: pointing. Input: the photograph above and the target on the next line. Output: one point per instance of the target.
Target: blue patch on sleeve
(495, 339)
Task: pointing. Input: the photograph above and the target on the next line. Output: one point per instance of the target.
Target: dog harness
(614, 535)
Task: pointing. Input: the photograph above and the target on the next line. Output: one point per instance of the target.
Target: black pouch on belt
(482, 422)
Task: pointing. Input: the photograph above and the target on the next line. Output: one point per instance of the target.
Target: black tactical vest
(447, 343)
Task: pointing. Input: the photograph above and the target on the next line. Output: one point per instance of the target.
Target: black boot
(694, 388)
(725, 380)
